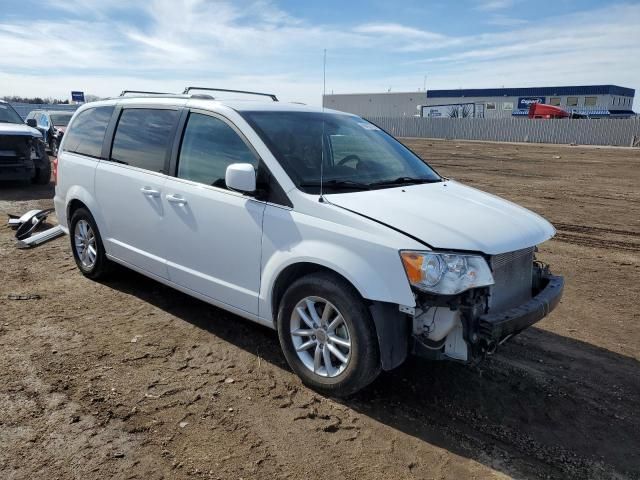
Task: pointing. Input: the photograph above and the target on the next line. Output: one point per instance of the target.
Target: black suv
(22, 149)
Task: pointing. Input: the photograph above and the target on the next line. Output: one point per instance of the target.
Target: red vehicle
(541, 110)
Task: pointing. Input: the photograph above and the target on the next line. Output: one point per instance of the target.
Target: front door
(213, 235)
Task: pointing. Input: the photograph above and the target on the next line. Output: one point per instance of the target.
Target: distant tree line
(17, 99)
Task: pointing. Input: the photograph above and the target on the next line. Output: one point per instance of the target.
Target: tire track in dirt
(499, 407)
(569, 227)
(587, 241)
(596, 237)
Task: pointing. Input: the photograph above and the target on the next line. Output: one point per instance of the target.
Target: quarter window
(143, 138)
(86, 133)
(209, 146)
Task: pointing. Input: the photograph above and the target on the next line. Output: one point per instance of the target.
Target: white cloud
(95, 47)
(491, 5)
(500, 20)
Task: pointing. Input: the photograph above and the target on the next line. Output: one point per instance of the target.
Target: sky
(48, 48)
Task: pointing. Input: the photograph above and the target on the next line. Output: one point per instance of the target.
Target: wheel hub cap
(320, 336)
(85, 244)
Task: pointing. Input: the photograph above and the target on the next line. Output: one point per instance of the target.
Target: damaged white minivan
(316, 223)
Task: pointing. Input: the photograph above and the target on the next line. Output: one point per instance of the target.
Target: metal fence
(619, 132)
(24, 108)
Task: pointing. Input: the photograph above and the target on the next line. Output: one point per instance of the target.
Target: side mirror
(32, 122)
(241, 177)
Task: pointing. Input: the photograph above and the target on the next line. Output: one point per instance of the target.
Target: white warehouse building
(591, 100)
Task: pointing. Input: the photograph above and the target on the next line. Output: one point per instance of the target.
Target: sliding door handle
(177, 199)
(150, 192)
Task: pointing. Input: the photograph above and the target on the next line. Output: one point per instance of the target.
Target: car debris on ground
(28, 223)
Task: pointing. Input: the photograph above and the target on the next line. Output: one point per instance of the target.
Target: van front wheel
(327, 335)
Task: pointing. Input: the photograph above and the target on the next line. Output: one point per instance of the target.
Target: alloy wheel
(85, 244)
(320, 336)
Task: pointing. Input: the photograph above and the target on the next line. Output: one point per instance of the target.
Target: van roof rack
(126, 92)
(245, 92)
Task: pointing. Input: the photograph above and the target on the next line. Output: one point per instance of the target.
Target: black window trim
(281, 199)
(107, 147)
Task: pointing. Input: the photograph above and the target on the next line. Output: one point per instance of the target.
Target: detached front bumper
(495, 327)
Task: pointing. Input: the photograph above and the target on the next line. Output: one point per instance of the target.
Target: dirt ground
(129, 379)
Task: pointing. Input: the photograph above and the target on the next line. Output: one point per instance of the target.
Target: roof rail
(125, 92)
(270, 95)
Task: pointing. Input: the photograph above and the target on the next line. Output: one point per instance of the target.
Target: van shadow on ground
(544, 406)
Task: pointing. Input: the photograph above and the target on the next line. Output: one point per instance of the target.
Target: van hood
(19, 129)
(450, 216)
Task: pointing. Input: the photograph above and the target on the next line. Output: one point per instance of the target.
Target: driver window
(208, 147)
(358, 152)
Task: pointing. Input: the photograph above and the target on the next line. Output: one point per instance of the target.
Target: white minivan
(314, 222)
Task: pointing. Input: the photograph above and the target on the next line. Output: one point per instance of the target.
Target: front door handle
(178, 199)
(150, 192)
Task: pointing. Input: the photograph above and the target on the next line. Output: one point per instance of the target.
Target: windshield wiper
(339, 184)
(404, 181)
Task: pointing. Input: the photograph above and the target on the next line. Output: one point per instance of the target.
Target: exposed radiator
(513, 274)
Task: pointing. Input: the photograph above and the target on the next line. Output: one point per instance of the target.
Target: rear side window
(209, 146)
(86, 133)
(143, 138)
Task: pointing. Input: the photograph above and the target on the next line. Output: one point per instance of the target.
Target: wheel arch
(392, 327)
(293, 272)
(79, 197)
(74, 205)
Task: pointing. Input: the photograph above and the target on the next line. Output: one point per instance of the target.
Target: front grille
(513, 274)
(13, 149)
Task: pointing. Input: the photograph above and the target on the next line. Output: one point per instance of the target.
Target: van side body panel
(363, 252)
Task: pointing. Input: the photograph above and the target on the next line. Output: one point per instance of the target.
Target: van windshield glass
(61, 119)
(357, 154)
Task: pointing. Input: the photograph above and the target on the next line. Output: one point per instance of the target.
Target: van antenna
(324, 90)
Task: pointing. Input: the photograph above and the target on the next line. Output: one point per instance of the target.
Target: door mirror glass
(241, 177)
(32, 122)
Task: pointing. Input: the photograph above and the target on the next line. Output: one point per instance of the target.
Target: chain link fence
(24, 108)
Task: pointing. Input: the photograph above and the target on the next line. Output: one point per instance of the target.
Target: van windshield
(354, 154)
(61, 119)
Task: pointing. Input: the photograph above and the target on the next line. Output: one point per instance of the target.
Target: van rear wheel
(327, 335)
(86, 245)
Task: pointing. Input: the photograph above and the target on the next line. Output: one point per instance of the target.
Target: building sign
(525, 102)
(77, 96)
(462, 110)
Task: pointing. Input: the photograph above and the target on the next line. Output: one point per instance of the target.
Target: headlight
(445, 273)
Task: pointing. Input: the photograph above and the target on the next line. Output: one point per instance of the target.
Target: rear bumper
(495, 327)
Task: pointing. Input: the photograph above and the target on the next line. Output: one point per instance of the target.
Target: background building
(592, 100)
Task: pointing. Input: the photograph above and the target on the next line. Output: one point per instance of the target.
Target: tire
(43, 173)
(357, 328)
(95, 266)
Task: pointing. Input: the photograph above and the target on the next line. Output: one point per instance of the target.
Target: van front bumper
(496, 327)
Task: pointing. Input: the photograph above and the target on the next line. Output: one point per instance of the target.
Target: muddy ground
(129, 379)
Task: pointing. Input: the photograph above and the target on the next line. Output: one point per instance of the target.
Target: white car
(313, 222)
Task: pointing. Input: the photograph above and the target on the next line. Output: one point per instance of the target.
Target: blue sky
(104, 46)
